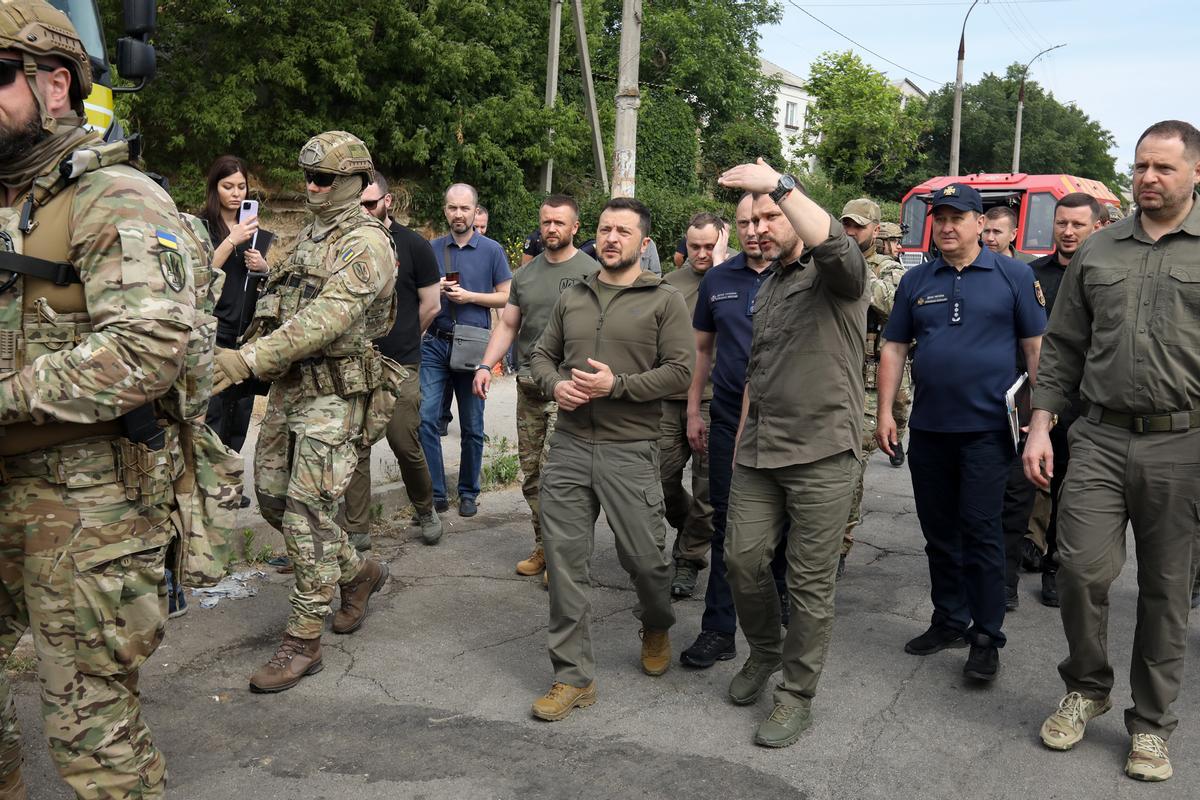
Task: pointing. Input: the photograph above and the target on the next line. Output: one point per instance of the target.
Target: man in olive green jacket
(615, 346)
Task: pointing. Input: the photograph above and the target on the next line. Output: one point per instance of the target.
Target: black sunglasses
(10, 68)
(370, 204)
(321, 179)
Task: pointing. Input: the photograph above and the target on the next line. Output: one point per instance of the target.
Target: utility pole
(552, 83)
(628, 100)
(589, 93)
(1016, 165)
(956, 124)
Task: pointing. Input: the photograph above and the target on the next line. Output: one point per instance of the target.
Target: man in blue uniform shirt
(970, 309)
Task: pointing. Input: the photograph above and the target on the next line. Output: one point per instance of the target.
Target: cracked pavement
(430, 698)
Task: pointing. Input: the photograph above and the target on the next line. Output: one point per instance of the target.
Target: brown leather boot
(534, 564)
(656, 651)
(294, 659)
(368, 581)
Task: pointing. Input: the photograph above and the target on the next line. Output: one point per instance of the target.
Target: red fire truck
(1031, 196)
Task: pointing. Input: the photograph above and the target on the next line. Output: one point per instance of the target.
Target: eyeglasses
(370, 205)
(10, 68)
(322, 179)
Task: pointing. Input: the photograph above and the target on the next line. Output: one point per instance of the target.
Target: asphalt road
(430, 699)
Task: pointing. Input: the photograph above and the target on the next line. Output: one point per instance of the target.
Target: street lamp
(1016, 165)
(956, 125)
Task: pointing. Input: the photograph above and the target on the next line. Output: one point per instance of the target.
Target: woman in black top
(244, 267)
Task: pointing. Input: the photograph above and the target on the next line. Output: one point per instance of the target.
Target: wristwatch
(483, 366)
(784, 187)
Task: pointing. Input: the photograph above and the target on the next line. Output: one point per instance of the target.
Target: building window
(789, 115)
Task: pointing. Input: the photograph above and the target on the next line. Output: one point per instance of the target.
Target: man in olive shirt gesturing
(615, 346)
(1126, 334)
(797, 453)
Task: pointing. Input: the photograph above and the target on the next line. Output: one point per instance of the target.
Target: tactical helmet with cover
(337, 153)
(890, 230)
(37, 29)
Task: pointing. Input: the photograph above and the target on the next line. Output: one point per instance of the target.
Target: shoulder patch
(1037, 289)
(170, 260)
(347, 255)
(363, 272)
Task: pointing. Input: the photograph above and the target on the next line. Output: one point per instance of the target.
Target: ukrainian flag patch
(346, 256)
(167, 239)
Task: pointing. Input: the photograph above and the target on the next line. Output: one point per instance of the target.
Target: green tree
(860, 131)
(1055, 138)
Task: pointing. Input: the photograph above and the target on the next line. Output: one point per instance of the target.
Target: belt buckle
(1141, 424)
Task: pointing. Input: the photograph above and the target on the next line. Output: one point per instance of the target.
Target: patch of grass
(20, 664)
(252, 554)
(501, 467)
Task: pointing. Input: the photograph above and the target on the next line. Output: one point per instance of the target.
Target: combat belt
(133, 449)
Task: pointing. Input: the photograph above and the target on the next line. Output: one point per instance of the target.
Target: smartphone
(249, 209)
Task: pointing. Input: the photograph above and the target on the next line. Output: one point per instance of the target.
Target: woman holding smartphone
(240, 249)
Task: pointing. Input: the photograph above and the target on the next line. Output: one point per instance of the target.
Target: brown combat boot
(368, 581)
(656, 651)
(12, 786)
(534, 564)
(294, 659)
(562, 699)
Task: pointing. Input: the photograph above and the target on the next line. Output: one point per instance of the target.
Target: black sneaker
(935, 639)
(983, 662)
(466, 507)
(1012, 601)
(1031, 556)
(709, 648)
(1050, 589)
(841, 570)
(441, 506)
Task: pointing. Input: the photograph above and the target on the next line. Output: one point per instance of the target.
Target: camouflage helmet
(890, 230)
(38, 29)
(338, 153)
(1114, 213)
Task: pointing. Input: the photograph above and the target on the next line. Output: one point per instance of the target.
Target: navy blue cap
(957, 195)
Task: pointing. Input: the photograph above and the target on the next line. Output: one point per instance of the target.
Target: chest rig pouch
(349, 365)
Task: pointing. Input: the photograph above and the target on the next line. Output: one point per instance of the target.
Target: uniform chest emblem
(170, 260)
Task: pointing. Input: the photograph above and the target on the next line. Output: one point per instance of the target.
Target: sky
(1125, 64)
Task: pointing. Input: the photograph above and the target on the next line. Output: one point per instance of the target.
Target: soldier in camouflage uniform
(887, 244)
(860, 218)
(96, 313)
(312, 331)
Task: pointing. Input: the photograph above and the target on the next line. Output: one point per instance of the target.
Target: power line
(815, 18)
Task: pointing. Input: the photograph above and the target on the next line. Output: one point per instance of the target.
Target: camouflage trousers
(306, 455)
(690, 514)
(869, 446)
(535, 425)
(902, 406)
(82, 568)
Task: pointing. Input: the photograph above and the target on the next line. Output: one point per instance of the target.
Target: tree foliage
(858, 128)
(1055, 138)
(441, 91)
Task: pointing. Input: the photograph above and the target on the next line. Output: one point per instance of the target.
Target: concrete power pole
(956, 123)
(628, 100)
(552, 83)
(1016, 164)
(589, 94)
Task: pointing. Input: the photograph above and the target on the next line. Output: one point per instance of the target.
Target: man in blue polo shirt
(722, 317)
(479, 279)
(969, 310)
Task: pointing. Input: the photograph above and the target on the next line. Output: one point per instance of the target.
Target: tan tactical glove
(229, 369)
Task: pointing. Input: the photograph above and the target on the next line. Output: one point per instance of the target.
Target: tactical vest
(875, 324)
(349, 365)
(44, 311)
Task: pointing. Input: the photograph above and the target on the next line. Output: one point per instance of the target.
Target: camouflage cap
(1114, 213)
(339, 153)
(39, 29)
(890, 230)
(862, 211)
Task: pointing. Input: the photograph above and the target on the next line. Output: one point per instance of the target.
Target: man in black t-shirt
(418, 300)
